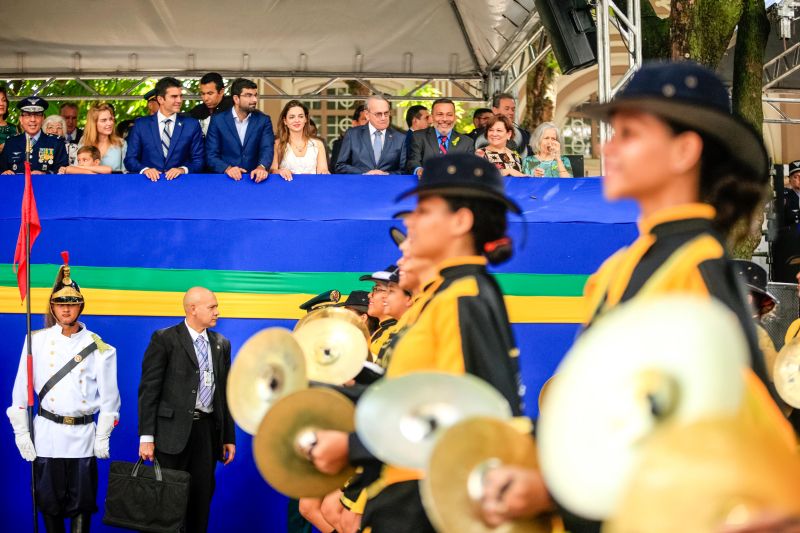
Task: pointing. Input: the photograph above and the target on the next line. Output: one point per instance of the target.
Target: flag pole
(29, 360)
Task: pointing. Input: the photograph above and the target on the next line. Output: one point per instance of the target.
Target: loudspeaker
(572, 32)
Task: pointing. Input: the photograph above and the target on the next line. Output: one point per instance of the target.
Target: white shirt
(241, 125)
(372, 130)
(90, 387)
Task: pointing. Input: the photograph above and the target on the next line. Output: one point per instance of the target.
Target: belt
(66, 420)
(198, 414)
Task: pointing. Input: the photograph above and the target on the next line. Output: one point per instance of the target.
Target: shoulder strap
(66, 369)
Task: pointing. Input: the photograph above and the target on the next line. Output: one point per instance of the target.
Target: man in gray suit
(376, 147)
(184, 420)
(438, 140)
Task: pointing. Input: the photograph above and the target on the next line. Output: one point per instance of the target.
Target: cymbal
(335, 350)
(649, 361)
(287, 429)
(451, 490)
(705, 475)
(334, 312)
(268, 366)
(787, 373)
(399, 419)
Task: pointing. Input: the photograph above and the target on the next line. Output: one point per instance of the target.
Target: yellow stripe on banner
(521, 309)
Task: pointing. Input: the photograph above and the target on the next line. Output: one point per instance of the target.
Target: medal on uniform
(46, 155)
(208, 378)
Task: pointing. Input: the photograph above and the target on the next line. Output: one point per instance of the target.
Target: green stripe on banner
(177, 280)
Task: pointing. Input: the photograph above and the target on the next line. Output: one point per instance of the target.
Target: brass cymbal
(706, 476)
(268, 366)
(642, 364)
(787, 373)
(451, 490)
(334, 312)
(287, 429)
(399, 419)
(335, 349)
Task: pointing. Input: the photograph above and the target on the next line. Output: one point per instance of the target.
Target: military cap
(794, 166)
(321, 300)
(149, 95)
(33, 104)
(381, 276)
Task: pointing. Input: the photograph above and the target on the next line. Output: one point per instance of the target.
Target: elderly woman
(546, 161)
(54, 125)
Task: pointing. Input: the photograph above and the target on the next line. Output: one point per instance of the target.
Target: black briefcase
(146, 498)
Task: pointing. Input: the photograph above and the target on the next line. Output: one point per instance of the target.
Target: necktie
(166, 137)
(443, 144)
(202, 358)
(377, 146)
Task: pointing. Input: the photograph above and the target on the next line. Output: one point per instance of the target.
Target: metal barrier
(787, 312)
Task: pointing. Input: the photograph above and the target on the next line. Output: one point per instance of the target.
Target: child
(88, 159)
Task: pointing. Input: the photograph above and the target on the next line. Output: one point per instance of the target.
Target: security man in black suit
(184, 420)
(46, 153)
(791, 196)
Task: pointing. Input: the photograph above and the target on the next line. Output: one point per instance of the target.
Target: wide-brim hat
(356, 300)
(462, 175)
(755, 279)
(691, 95)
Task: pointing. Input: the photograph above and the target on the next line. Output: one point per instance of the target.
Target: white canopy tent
(481, 45)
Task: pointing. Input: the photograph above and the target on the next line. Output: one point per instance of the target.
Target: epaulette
(102, 346)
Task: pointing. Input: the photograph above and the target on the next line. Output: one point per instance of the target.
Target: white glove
(22, 435)
(102, 435)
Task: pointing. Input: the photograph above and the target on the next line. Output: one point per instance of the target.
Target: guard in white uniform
(75, 377)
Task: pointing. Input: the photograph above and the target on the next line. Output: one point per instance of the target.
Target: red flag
(29, 215)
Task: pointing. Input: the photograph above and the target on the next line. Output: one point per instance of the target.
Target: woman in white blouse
(296, 150)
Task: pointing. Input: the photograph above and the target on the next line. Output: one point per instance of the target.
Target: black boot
(53, 523)
(80, 523)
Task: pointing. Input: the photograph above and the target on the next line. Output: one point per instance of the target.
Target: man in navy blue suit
(375, 148)
(46, 153)
(241, 140)
(166, 143)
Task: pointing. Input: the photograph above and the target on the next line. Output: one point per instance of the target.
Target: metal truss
(782, 66)
(464, 88)
(774, 102)
(628, 22)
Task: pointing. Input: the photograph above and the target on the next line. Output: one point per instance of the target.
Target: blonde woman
(101, 134)
(296, 149)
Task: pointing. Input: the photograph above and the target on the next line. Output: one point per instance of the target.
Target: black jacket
(168, 390)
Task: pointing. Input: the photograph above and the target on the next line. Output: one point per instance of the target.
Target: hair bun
(499, 251)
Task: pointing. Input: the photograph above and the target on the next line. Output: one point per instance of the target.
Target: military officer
(46, 153)
(75, 377)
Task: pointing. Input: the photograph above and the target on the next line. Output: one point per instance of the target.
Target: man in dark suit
(184, 420)
(359, 119)
(375, 148)
(212, 94)
(791, 196)
(69, 112)
(166, 142)
(439, 140)
(46, 153)
(241, 140)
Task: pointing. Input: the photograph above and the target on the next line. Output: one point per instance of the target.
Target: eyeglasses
(385, 114)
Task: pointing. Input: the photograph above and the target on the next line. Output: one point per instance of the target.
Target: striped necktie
(166, 137)
(205, 391)
(443, 144)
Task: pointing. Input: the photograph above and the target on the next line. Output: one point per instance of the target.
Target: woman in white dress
(296, 150)
(101, 134)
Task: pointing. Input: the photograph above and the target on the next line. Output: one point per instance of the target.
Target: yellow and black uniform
(380, 336)
(793, 332)
(679, 252)
(463, 327)
(354, 494)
